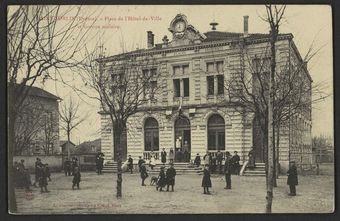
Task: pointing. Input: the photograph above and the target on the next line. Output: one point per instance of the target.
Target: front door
(182, 140)
(258, 142)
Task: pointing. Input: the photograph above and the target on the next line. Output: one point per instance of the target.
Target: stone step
(260, 174)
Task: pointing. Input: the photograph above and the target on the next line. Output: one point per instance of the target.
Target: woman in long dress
(171, 155)
(251, 156)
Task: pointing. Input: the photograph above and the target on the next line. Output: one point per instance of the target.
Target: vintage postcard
(170, 109)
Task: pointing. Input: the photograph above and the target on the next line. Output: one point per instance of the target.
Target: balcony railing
(214, 153)
(147, 155)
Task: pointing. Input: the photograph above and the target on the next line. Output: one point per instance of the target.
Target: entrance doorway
(182, 140)
(258, 141)
(123, 147)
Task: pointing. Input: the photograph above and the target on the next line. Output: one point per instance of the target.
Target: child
(76, 178)
(161, 180)
(206, 182)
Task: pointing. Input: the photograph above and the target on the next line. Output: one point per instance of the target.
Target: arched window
(216, 133)
(151, 135)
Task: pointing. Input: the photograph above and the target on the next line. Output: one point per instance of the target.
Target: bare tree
(274, 91)
(125, 84)
(39, 42)
(70, 119)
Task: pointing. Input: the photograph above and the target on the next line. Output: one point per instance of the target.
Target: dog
(153, 180)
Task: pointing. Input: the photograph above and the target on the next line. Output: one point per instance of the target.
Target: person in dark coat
(38, 166)
(48, 173)
(179, 155)
(206, 182)
(27, 180)
(130, 164)
(67, 167)
(163, 156)
(42, 178)
(74, 164)
(161, 182)
(197, 160)
(76, 178)
(251, 156)
(219, 159)
(227, 170)
(235, 163)
(143, 173)
(171, 155)
(100, 164)
(140, 162)
(292, 180)
(213, 164)
(170, 177)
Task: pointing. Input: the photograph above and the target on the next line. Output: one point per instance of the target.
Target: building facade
(191, 110)
(37, 124)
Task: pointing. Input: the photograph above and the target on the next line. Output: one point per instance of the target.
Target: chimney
(150, 39)
(245, 25)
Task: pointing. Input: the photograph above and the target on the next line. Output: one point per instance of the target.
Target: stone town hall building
(195, 67)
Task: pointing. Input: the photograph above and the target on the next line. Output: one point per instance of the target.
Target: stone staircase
(181, 168)
(259, 170)
(110, 167)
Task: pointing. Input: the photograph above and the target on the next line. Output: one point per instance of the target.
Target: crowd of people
(166, 177)
(215, 162)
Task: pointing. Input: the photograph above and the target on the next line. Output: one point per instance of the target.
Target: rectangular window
(210, 67)
(220, 84)
(177, 69)
(210, 84)
(153, 72)
(256, 65)
(177, 88)
(219, 66)
(153, 89)
(186, 87)
(185, 69)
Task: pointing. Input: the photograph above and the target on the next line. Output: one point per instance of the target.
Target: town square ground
(315, 194)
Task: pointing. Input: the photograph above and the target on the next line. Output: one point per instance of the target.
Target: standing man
(130, 164)
(100, 164)
(170, 177)
(140, 162)
(171, 155)
(38, 166)
(67, 167)
(219, 159)
(235, 163)
(143, 173)
(292, 180)
(227, 170)
(163, 156)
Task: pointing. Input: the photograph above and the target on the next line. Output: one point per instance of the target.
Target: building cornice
(153, 51)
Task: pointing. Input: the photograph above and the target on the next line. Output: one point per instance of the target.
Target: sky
(311, 26)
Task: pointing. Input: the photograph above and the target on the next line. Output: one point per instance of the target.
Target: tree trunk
(274, 159)
(271, 136)
(68, 145)
(11, 190)
(277, 151)
(117, 141)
